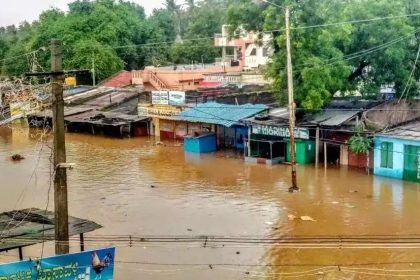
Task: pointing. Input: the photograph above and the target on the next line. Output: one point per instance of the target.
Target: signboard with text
(157, 111)
(177, 98)
(160, 98)
(98, 264)
(268, 130)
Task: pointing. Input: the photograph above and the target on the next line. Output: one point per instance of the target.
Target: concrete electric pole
(60, 171)
(294, 186)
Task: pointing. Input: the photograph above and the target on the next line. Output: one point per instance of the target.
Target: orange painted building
(177, 78)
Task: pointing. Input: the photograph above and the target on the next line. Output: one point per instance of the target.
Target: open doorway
(333, 152)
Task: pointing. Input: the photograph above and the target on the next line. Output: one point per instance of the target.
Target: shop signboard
(89, 265)
(177, 98)
(160, 98)
(268, 130)
(157, 111)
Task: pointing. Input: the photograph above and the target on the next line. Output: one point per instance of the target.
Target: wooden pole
(249, 140)
(294, 186)
(317, 148)
(60, 174)
(82, 242)
(325, 155)
(20, 253)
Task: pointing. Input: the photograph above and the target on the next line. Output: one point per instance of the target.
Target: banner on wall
(160, 98)
(157, 111)
(177, 98)
(89, 265)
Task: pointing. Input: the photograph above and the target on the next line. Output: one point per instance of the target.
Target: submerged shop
(218, 125)
(270, 144)
(165, 105)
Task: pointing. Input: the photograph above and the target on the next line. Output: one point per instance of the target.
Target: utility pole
(93, 70)
(294, 186)
(60, 172)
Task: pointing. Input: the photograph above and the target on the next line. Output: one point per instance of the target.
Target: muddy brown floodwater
(214, 195)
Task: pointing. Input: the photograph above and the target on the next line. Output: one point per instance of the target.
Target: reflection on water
(210, 195)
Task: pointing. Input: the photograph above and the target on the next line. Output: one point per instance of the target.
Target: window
(387, 154)
(253, 52)
(265, 52)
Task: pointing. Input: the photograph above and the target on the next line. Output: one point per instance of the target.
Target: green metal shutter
(384, 154)
(390, 155)
(412, 163)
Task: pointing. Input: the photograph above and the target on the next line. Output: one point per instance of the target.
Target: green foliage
(198, 51)
(322, 56)
(107, 61)
(359, 143)
(117, 34)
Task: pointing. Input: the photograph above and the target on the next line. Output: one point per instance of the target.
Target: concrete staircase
(156, 82)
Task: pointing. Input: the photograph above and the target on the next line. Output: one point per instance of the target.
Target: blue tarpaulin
(221, 114)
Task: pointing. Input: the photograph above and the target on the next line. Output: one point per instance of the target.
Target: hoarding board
(160, 98)
(177, 98)
(157, 111)
(301, 133)
(89, 265)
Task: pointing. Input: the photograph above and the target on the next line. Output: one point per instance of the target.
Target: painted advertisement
(301, 133)
(89, 265)
(160, 98)
(177, 98)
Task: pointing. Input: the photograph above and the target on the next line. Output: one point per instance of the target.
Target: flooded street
(213, 195)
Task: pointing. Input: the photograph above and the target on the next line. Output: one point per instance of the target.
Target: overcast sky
(16, 11)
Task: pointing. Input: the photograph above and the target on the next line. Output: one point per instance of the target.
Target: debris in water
(348, 205)
(152, 186)
(291, 217)
(238, 252)
(269, 223)
(353, 191)
(17, 157)
(159, 143)
(189, 229)
(307, 218)
(335, 202)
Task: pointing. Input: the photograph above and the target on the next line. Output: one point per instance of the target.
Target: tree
(332, 57)
(118, 26)
(194, 51)
(107, 61)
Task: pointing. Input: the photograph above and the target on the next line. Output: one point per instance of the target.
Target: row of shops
(261, 134)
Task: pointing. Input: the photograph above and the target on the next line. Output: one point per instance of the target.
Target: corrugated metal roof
(221, 114)
(410, 131)
(333, 117)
